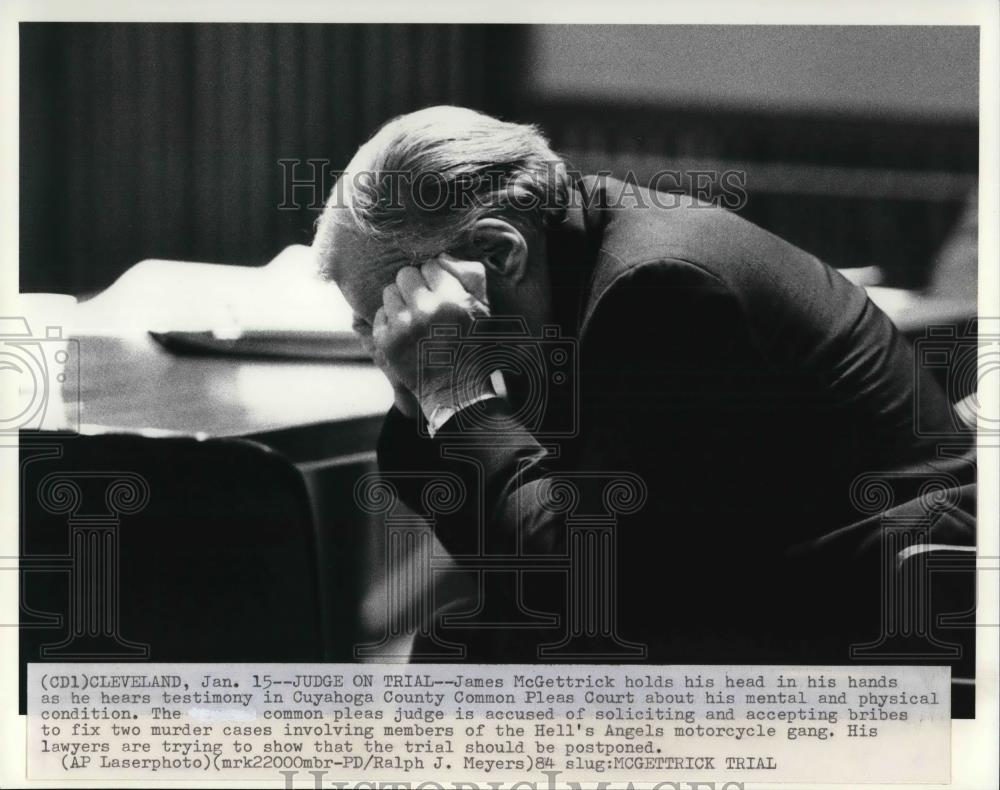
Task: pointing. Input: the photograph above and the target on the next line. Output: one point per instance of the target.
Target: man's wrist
(440, 406)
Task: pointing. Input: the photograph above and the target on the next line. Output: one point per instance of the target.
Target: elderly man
(743, 380)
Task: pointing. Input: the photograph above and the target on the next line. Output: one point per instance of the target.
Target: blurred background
(859, 144)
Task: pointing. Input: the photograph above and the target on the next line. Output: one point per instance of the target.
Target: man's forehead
(352, 252)
(362, 267)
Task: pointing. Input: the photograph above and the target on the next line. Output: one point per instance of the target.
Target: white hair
(424, 179)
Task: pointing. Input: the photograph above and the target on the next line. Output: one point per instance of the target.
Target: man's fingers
(471, 274)
(436, 277)
(445, 285)
(392, 300)
(380, 325)
(413, 288)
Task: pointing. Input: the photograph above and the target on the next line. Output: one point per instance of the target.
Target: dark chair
(167, 550)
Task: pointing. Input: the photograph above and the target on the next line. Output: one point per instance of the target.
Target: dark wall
(858, 143)
(853, 190)
(870, 70)
(164, 140)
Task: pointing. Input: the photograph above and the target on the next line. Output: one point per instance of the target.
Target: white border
(975, 754)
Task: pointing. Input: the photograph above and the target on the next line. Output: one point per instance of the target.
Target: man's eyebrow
(396, 256)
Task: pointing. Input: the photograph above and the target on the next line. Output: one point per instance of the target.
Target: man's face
(362, 269)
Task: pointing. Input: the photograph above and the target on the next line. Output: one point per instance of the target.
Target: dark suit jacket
(746, 382)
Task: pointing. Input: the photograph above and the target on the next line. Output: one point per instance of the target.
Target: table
(310, 411)
(322, 416)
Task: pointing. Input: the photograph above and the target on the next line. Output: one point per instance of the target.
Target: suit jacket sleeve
(500, 475)
(505, 474)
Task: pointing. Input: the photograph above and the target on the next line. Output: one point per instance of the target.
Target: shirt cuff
(441, 414)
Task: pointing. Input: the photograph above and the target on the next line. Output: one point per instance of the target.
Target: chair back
(165, 549)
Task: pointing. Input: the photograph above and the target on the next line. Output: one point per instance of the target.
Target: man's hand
(437, 293)
(404, 400)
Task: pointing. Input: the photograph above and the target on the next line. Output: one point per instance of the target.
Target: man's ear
(501, 247)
